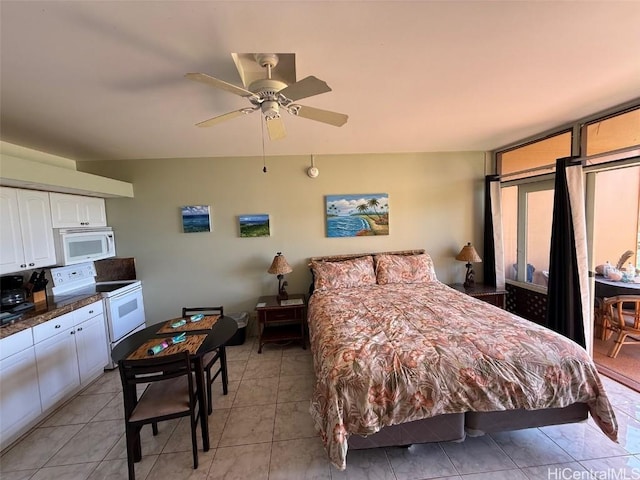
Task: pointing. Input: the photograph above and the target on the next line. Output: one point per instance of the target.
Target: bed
(401, 358)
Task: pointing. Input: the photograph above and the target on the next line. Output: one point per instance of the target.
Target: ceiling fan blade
(325, 116)
(307, 87)
(215, 82)
(226, 116)
(275, 127)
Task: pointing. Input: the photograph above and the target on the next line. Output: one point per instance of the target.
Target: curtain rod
(551, 166)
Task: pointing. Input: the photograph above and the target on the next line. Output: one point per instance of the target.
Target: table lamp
(280, 267)
(468, 254)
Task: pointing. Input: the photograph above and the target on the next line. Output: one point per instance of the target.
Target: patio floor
(625, 368)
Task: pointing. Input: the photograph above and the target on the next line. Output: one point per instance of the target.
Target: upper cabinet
(26, 235)
(71, 211)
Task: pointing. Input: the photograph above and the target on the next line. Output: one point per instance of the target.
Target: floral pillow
(404, 269)
(345, 274)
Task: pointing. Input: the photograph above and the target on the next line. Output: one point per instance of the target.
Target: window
(527, 206)
(527, 211)
(527, 170)
(534, 155)
(612, 133)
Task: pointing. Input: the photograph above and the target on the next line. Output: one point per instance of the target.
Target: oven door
(125, 313)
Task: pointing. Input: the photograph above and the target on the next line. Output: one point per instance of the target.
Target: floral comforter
(387, 354)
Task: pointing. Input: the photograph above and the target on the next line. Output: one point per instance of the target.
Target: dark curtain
(564, 298)
(489, 257)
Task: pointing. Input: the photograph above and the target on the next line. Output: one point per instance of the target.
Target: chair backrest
(154, 369)
(204, 310)
(623, 310)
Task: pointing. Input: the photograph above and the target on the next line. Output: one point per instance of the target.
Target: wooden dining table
(609, 288)
(200, 339)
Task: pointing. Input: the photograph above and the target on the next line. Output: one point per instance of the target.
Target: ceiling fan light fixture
(270, 109)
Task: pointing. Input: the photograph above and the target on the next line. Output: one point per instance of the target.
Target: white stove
(123, 302)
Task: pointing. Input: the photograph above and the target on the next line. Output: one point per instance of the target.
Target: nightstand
(493, 295)
(279, 323)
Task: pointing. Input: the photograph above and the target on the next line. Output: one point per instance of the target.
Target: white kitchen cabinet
(91, 342)
(19, 395)
(43, 366)
(71, 351)
(19, 398)
(26, 235)
(56, 360)
(71, 211)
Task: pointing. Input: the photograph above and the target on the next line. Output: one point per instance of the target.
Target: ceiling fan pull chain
(264, 162)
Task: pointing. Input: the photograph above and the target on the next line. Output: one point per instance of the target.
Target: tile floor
(262, 430)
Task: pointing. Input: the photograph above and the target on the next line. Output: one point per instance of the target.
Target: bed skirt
(443, 428)
(454, 427)
(477, 423)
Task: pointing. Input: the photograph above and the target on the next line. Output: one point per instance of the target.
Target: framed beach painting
(256, 225)
(196, 218)
(358, 215)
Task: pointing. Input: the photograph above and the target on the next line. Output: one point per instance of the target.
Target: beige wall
(435, 203)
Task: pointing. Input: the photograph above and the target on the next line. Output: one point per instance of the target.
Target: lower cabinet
(91, 345)
(71, 351)
(19, 394)
(57, 364)
(44, 366)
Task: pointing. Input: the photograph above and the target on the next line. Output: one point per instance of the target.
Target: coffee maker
(13, 298)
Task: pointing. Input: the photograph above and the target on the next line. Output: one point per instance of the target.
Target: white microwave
(77, 245)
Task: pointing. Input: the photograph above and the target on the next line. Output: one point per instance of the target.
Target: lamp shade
(279, 266)
(468, 254)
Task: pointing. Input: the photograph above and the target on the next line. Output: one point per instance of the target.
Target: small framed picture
(196, 218)
(256, 225)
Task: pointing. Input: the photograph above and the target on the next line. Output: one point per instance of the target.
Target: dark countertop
(52, 310)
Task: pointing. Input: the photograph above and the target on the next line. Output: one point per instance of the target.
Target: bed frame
(349, 256)
(454, 427)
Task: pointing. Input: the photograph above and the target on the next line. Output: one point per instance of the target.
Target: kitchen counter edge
(33, 318)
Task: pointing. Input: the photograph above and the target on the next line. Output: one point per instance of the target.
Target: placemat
(191, 344)
(206, 323)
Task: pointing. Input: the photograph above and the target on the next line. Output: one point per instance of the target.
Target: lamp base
(469, 280)
(282, 292)
(282, 295)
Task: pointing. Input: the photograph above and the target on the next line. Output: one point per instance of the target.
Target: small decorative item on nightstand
(468, 254)
(280, 267)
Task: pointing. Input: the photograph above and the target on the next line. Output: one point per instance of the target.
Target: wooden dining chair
(622, 315)
(210, 359)
(601, 320)
(170, 393)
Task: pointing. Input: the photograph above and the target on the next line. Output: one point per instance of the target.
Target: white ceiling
(105, 79)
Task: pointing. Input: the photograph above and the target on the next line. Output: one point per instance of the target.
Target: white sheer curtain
(575, 183)
(498, 239)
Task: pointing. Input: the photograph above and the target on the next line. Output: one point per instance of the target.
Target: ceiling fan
(271, 96)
